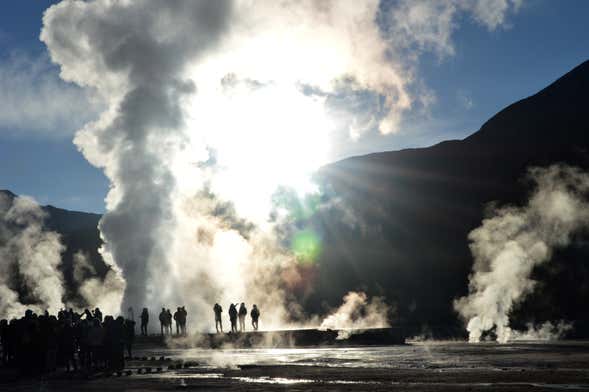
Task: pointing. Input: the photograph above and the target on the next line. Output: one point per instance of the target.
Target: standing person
(218, 323)
(67, 345)
(129, 336)
(96, 341)
(184, 315)
(4, 337)
(98, 314)
(163, 321)
(242, 314)
(177, 319)
(144, 321)
(255, 314)
(115, 344)
(233, 317)
(169, 321)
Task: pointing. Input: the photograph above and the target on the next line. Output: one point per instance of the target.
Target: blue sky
(488, 70)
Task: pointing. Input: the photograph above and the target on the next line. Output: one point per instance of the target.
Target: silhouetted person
(144, 321)
(163, 321)
(242, 314)
(182, 318)
(98, 314)
(4, 340)
(218, 323)
(96, 340)
(130, 336)
(255, 315)
(177, 316)
(233, 317)
(67, 345)
(115, 344)
(169, 321)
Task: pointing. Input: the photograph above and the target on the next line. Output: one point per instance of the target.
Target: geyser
(513, 241)
(169, 73)
(210, 105)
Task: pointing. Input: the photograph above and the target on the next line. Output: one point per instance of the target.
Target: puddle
(273, 380)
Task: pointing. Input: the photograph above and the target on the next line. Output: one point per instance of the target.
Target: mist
(30, 257)
(357, 312)
(513, 241)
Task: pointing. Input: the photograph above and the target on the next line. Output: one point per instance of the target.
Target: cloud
(35, 101)
(429, 25)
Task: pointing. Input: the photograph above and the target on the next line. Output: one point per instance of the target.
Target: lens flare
(306, 246)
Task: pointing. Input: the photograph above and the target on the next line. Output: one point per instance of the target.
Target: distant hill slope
(79, 232)
(419, 205)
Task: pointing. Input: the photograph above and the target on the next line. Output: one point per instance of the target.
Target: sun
(262, 136)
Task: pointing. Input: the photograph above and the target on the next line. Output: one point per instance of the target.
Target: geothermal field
(415, 366)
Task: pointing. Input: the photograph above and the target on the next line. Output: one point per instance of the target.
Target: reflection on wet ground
(420, 366)
(416, 366)
(419, 355)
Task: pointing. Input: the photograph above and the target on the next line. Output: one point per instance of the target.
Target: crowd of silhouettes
(43, 343)
(89, 341)
(234, 315)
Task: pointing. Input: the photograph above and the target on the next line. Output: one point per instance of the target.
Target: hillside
(418, 206)
(79, 232)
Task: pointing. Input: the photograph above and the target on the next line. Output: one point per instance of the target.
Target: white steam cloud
(357, 313)
(29, 260)
(227, 96)
(508, 246)
(105, 293)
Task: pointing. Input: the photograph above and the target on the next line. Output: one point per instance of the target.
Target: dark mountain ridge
(421, 204)
(79, 233)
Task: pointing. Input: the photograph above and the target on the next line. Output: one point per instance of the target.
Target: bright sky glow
(261, 136)
(463, 81)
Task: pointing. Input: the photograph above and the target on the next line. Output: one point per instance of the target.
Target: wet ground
(423, 366)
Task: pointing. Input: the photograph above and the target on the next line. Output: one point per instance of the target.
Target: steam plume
(357, 312)
(105, 293)
(508, 246)
(196, 91)
(29, 259)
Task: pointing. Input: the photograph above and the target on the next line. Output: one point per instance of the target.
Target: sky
(464, 78)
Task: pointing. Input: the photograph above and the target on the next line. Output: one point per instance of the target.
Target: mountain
(415, 208)
(79, 232)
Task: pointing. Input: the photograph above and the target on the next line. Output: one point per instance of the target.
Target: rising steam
(30, 257)
(357, 313)
(106, 292)
(508, 246)
(210, 106)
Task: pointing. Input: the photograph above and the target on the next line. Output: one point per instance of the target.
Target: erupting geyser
(210, 106)
(206, 105)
